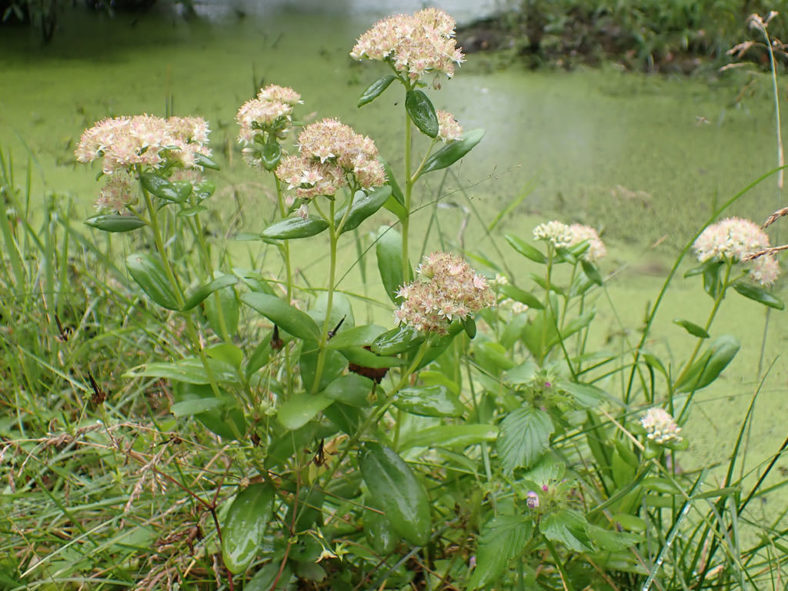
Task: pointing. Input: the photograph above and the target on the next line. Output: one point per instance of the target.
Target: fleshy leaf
(375, 89)
(453, 151)
(421, 112)
(148, 272)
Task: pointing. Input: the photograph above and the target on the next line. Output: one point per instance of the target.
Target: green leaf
(388, 248)
(294, 228)
(198, 295)
(451, 436)
(421, 112)
(612, 541)
(359, 336)
(148, 272)
(244, 526)
(429, 401)
(205, 161)
(375, 89)
(502, 538)
(397, 340)
(709, 366)
(160, 187)
(263, 580)
(692, 328)
(568, 528)
(365, 358)
(270, 155)
(115, 222)
(221, 414)
(753, 292)
(379, 532)
(522, 296)
(525, 249)
(188, 371)
(204, 189)
(585, 395)
(525, 435)
(183, 189)
(363, 206)
(396, 203)
(193, 406)
(351, 389)
(469, 324)
(395, 489)
(591, 271)
(297, 323)
(298, 410)
(453, 151)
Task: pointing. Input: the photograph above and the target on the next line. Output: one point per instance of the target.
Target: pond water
(643, 158)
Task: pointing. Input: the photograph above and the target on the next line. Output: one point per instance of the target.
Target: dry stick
(774, 217)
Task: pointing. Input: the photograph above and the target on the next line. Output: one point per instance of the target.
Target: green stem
(408, 195)
(332, 267)
(285, 243)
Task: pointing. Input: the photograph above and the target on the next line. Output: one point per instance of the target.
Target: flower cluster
(734, 239)
(330, 156)
(123, 142)
(660, 426)
(561, 235)
(271, 111)
(413, 44)
(446, 289)
(118, 193)
(448, 128)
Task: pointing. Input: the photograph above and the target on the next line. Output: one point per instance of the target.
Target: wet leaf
(453, 151)
(421, 112)
(115, 222)
(375, 89)
(148, 272)
(244, 526)
(295, 228)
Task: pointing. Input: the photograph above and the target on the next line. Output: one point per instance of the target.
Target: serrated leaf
(421, 112)
(148, 272)
(757, 294)
(453, 151)
(375, 89)
(503, 538)
(297, 323)
(568, 528)
(295, 228)
(692, 328)
(525, 436)
(525, 249)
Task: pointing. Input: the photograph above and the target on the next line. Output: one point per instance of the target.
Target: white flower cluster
(660, 426)
(561, 235)
(271, 111)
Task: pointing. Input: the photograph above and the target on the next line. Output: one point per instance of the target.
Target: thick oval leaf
(397, 340)
(204, 189)
(365, 358)
(198, 295)
(692, 328)
(525, 249)
(189, 371)
(270, 155)
(421, 112)
(429, 401)
(363, 206)
(205, 161)
(351, 389)
(379, 532)
(148, 272)
(221, 414)
(709, 366)
(193, 406)
(294, 228)
(451, 436)
(525, 435)
(160, 187)
(300, 409)
(591, 271)
(396, 203)
(453, 151)
(753, 292)
(115, 222)
(375, 89)
(244, 526)
(396, 490)
(359, 336)
(183, 189)
(522, 296)
(297, 323)
(504, 537)
(388, 248)
(263, 580)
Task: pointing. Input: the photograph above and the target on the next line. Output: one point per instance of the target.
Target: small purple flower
(547, 384)
(544, 487)
(532, 500)
(472, 562)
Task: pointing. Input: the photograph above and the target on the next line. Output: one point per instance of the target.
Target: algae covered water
(646, 159)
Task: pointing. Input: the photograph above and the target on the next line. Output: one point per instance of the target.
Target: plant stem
(332, 268)
(408, 194)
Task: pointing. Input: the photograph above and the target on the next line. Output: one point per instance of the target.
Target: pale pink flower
(118, 192)
(448, 128)
(733, 239)
(596, 248)
(414, 44)
(556, 233)
(660, 426)
(446, 289)
(270, 112)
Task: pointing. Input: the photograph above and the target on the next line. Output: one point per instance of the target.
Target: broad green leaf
(351, 389)
(263, 580)
(204, 189)
(115, 222)
(396, 203)
(205, 161)
(379, 532)
(591, 271)
(522, 296)
(710, 364)
(359, 336)
(397, 491)
(492, 357)
(244, 526)
(221, 414)
(451, 436)
(612, 541)
(183, 189)
(160, 187)
(148, 272)
(270, 155)
(260, 355)
(524, 373)
(453, 151)
(294, 228)
(333, 367)
(525, 435)
(226, 302)
(188, 371)
(525, 249)
(388, 248)
(469, 324)
(504, 537)
(193, 406)
(429, 401)
(755, 293)
(286, 317)
(692, 328)
(397, 340)
(421, 112)
(298, 410)
(198, 295)
(375, 89)
(585, 395)
(227, 353)
(363, 206)
(347, 418)
(568, 528)
(365, 358)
